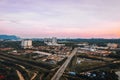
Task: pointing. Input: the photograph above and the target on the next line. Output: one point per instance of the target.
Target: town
(59, 59)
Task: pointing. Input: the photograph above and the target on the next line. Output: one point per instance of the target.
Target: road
(20, 61)
(34, 75)
(61, 70)
(20, 75)
(118, 73)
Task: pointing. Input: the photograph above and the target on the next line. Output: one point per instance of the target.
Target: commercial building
(26, 43)
(52, 42)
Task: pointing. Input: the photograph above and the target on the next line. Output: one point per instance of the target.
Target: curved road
(20, 75)
(61, 70)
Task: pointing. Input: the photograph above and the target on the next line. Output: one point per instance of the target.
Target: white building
(52, 42)
(42, 53)
(112, 45)
(27, 43)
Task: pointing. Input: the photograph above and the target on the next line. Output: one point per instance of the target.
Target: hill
(9, 37)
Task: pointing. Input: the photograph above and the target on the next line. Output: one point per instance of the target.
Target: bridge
(61, 70)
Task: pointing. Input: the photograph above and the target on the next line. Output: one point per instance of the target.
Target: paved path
(61, 70)
(34, 75)
(20, 75)
(118, 73)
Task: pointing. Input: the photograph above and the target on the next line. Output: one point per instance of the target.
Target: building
(42, 53)
(52, 42)
(26, 43)
(112, 45)
(82, 44)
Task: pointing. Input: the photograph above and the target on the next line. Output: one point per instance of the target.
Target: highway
(61, 70)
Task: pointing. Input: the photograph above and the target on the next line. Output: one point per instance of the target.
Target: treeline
(17, 44)
(11, 44)
(38, 43)
(91, 41)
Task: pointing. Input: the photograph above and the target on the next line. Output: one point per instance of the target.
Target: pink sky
(63, 18)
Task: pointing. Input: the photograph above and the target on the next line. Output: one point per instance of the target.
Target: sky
(60, 18)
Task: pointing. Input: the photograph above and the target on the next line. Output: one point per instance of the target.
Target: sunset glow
(60, 18)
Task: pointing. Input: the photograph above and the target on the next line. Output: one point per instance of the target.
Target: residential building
(26, 43)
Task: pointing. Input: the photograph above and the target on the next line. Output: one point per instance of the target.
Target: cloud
(57, 17)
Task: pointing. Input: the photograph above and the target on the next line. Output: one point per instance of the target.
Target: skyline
(64, 18)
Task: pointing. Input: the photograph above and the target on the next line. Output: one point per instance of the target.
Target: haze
(60, 18)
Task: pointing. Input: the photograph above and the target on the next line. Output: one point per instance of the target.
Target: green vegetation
(38, 43)
(42, 72)
(32, 62)
(93, 64)
(16, 67)
(92, 41)
(84, 65)
(17, 44)
(93, 57)
(87, 66)
(115, 54)
(94, 75)
(11, 44)
(7, 73)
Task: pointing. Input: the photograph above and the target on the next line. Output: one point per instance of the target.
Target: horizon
(55, 36)
(62, 19)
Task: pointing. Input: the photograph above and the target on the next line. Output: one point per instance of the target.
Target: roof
(44, 53)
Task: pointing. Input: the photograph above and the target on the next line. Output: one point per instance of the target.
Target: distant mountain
(9, 37)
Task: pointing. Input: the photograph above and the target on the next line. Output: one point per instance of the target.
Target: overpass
(61, 70)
